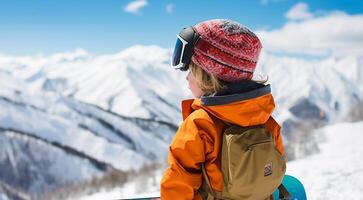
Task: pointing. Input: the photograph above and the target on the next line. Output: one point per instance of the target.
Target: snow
(36, 162)
(55, 128)
(3, 197)
(50, 118)
(130, 82)
(61, 117)
(139, 187)
(125, 193)
(325, 82)
(337, 170)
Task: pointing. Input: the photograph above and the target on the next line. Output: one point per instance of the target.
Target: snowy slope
(138, 187)
(336, 172)
(36, 166)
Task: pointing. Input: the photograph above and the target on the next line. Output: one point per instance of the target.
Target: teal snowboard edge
(294, 187)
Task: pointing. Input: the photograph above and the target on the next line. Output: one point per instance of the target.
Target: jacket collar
(245, 109)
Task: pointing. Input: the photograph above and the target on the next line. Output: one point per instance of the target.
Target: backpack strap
(203, 193)
(208, 190)
(283, 193)
(205, 175)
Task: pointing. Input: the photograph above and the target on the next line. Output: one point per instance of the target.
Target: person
(220, 56)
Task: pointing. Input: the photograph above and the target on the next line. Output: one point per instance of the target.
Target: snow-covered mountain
(139, 82)
(49, 140)
(70, 116)
(136, 82)
(332, 84)
(321, 91)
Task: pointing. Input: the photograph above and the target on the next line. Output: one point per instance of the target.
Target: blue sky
(39, 26)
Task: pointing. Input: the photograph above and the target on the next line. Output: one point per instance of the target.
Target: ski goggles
(184, 48)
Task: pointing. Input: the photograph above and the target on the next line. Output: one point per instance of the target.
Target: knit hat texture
(227, 49)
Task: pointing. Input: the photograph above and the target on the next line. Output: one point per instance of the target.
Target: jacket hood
(243, 103)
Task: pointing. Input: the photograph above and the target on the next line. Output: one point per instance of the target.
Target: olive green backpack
(252, 167)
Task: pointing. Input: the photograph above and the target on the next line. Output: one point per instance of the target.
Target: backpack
(252, 167)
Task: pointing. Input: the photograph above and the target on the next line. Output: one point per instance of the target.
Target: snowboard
(294, 187)
(292, 184)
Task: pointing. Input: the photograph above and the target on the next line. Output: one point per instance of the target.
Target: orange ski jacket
(198, 139)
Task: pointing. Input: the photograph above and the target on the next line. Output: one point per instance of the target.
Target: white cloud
(334, 33)
(135, 6)
(265, 2)
(169, 8)
(299, 11)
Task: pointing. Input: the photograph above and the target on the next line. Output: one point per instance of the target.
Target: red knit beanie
(227, 49)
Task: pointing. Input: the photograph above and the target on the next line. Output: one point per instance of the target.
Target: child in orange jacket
(221, 56)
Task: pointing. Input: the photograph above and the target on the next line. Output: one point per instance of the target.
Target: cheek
(194, 87)
(191, 81)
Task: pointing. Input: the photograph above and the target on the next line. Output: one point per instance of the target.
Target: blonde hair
(207, 83)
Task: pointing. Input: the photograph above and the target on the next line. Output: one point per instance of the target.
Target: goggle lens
(183, 50)
(177, 54)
